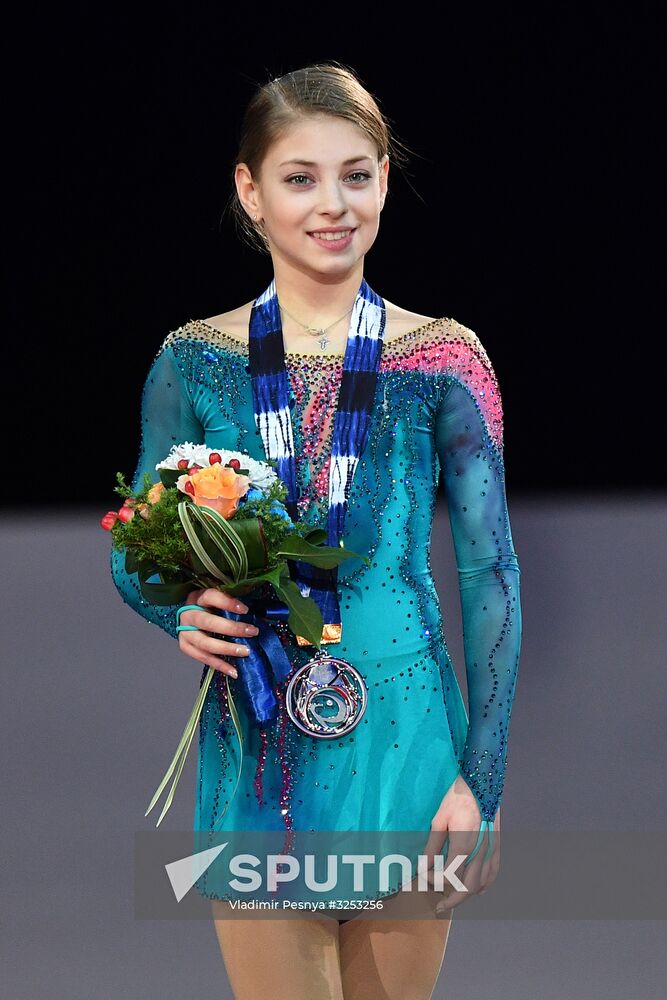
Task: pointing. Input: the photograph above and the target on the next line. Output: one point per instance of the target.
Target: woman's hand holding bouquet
(203, 647)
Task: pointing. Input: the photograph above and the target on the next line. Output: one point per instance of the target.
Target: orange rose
(155, 493)
(216, 487)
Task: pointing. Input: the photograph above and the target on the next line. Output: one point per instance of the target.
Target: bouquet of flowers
(218, 519)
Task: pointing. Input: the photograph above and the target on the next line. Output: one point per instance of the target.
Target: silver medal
(326, 697)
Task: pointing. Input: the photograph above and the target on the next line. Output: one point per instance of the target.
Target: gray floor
(80, 761)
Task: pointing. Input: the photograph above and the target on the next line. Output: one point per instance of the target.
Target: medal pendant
(326, 697)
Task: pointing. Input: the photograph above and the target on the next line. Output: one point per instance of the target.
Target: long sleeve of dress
(469, 443)
(167, 418)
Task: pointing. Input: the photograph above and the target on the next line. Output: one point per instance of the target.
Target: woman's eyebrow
(311, 163)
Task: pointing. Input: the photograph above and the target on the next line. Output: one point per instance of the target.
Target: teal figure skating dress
(437, 415)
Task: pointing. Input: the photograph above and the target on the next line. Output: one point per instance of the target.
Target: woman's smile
(336, 239)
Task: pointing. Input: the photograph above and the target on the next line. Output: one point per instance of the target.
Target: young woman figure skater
(311, 180)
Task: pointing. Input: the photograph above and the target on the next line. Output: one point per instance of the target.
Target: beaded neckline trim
(331, 356)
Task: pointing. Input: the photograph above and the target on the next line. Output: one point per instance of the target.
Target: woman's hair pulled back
(323, 88)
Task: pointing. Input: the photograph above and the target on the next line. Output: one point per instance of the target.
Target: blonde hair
(324, 88)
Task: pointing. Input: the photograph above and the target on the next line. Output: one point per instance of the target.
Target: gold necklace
(319, 332)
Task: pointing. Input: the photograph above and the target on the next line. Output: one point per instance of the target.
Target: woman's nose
(332, 198)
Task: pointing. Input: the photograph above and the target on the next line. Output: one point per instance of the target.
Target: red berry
(193, 469)
(214, 458)
(109, 520)
(182, 463)
(234, 463)
(189, 488)
(125, 514)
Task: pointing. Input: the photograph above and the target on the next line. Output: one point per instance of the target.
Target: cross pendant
(323, 340)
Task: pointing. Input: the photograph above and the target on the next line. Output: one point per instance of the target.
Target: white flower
(194, 453)
(261, 474)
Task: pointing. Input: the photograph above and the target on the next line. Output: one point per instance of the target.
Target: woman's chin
(332, 263)
(319, 261)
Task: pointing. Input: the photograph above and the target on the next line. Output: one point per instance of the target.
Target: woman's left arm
(469, 443)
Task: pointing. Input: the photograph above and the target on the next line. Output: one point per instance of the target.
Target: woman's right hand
(203, 647)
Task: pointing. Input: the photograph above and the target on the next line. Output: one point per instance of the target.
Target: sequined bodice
(314, 386)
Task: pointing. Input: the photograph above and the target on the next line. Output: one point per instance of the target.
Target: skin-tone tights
(316, 958)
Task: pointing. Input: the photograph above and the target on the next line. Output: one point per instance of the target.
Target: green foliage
(158, 545)
(159, 537)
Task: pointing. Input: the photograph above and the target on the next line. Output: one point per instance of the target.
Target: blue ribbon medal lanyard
(326, 697)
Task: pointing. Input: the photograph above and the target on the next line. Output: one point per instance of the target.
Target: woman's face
(322, 174)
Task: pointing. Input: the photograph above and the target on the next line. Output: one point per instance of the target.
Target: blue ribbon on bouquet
(267, 657)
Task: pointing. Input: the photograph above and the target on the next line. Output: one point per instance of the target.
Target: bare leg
(392, 959)
(285, 959)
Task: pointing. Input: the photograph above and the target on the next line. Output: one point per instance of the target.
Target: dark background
(526, 213)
